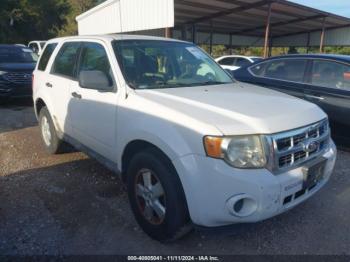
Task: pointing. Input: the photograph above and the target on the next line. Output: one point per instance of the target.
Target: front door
(94, 111)
(329, 87)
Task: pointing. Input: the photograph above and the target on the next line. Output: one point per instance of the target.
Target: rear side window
(65, 61)
(46, 55)
(282, 69)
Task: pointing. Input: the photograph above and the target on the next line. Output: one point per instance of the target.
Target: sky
(339, 7)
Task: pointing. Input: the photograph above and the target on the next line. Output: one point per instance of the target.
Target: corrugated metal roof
(248, 17)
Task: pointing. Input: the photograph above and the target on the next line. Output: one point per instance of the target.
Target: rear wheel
(156, 196)
(53, 144)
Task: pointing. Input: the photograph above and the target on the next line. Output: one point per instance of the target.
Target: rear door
(284, 75)
(93, 111)
(62, 76)
(329, 87)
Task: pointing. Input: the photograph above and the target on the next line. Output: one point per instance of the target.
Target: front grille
(18, 77)
(294, 147)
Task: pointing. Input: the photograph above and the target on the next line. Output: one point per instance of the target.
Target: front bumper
(8, 89)
(210, 184)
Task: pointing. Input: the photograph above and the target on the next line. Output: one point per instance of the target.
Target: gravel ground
(69, 204)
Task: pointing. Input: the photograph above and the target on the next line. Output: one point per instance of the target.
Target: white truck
(193, 146)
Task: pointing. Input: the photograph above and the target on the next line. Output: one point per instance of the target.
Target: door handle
(314, 97)
(48, 84)
(76, 95)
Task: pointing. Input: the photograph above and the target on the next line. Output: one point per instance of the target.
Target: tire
(52, 143)
(175, 222)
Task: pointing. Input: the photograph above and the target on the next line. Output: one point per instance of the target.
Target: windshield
(148, 64)
(42, 44)
(17, 55)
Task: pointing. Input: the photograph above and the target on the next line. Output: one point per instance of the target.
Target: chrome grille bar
(295, 147)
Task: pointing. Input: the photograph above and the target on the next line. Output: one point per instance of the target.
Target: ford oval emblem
(310, 146)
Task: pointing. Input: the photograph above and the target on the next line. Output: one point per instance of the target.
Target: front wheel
(156, 196)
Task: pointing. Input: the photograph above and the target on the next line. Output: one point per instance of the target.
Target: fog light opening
(241, 205)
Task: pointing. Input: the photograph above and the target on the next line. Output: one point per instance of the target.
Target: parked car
(192, 146)
(16, 67)
(37, 46)
(320, 79)
(234, 62)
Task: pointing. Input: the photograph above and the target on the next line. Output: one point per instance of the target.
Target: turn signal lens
(212, 146)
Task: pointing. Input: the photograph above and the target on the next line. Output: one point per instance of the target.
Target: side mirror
(95, 79)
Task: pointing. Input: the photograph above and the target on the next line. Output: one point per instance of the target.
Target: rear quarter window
(46, 55)
(281, 69)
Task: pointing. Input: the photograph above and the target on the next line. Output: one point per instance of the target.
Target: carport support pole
(211, 38)
(322, 35)
(308, 43)
(168, 32)
(267, 32)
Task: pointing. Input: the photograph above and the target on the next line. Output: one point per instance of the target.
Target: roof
(14, 46)
(344, 58)
(110, 37)
(248, 17)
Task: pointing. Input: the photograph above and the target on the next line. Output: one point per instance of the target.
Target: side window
(34, 47)
(241, 62)
(282, 69)
(66, 59)
(330, 74)
(229, 61)
(94, 58)
(45, 57)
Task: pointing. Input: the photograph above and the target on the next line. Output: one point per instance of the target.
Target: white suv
(193, 146)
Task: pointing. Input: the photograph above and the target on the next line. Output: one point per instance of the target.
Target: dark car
(17, 64)
(321, 79)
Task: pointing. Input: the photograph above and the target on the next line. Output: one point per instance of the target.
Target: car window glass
(66, 58)
(241, 62)
(148, 64)
(283, 69)
(94, 58)
(330, 74)
(45, 57)
(227, 61)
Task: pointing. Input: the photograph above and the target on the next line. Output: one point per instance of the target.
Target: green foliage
(25, 20)
(221, 50)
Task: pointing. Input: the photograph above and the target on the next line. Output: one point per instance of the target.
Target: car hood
(17, 66)
(237, 109)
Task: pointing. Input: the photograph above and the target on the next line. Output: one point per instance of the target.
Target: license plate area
(313, 172)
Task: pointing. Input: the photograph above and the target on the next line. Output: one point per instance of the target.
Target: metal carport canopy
(258, 23)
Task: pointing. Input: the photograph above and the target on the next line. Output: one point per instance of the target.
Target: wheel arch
(134, 147)
(39, 104)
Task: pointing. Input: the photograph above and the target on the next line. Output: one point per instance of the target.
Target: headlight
(238, 151)
(2, 73)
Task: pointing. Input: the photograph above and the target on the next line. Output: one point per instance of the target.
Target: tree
(25, 20)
